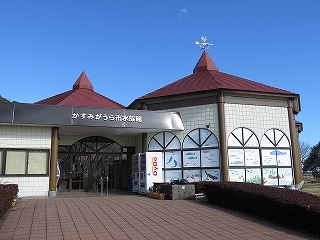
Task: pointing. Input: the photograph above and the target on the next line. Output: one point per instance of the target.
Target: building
(210, 126)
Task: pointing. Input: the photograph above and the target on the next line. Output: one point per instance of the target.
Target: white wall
(257, 118)
(26, 137)
(196, 117)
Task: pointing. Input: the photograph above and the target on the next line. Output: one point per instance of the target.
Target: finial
(204, 45)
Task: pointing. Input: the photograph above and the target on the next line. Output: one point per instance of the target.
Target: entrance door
(107, 167)
(112, 171)
(79, 172)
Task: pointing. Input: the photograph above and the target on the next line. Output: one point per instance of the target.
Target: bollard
(107, 185)
(101, 185)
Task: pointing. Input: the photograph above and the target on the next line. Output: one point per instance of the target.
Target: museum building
(210, 126)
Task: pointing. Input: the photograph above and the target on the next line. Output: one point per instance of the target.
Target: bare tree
(305, 150)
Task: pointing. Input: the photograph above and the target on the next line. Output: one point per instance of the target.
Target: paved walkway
(129, 216)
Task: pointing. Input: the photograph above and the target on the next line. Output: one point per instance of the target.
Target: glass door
(106, 170)
(112, 171)
(79, 172)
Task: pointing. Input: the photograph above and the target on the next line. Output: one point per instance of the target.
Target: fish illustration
(209, 175)
(209, 159)
(274, 177)
(237, 162)
(175, 163)
(190, 153)
(277, 152)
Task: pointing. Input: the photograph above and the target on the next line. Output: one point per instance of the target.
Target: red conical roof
(205, 63)
(206, 77)
(81, 95)
(83, 82)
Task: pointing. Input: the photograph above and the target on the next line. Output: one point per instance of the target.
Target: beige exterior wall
(259, 119)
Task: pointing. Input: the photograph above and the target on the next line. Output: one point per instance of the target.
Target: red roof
(81, 95)
(206, 77)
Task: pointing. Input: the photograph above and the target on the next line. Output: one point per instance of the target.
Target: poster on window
(269, 157)
(285, 176)
(172, 175)
(270, 176)
(265, 142)
(252, 142)
(154, 145)
(212, 175)
(253, 175)
(283, 142)
(207, 139)
(191, 158)
(233, 141)
(252, 157)
(189, 143)
(236, 157)
(172, 159)
(192, 175)
(210, 158)
(236, 175)
(283, 157)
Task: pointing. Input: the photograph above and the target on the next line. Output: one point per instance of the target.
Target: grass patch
(310, 185)
(312, 188)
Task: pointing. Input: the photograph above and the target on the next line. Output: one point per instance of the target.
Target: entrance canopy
(73, 120)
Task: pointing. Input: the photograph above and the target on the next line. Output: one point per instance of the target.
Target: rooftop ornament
(204, 45)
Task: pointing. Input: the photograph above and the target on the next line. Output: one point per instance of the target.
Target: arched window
(244, 156)
(276, 158)
(201, 159)
(96, 144)
(169, 144)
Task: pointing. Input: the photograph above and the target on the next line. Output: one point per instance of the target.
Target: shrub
(199, 186)
(287, 207)
(8, 192)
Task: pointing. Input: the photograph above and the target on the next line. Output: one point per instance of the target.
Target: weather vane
(204, 45)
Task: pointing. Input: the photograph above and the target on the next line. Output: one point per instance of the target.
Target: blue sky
(130, 48)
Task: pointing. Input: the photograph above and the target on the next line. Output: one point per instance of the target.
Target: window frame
(26, 151)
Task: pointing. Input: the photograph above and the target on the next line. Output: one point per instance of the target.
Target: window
(26, 162)
(201, 158)
(37, 163)
(169, 144)
(1, 162)
(244, 156)
(16, 162)
(269, 164)
(276, 158)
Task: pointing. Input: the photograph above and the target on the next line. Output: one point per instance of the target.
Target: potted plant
(162, 195)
